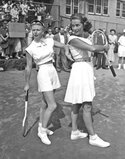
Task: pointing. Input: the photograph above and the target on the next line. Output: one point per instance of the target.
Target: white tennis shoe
(97, 141)
(78, 135)
(49, 132)
(44, 138)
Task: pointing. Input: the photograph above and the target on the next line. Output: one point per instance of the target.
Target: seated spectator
(24, 11)
(31, 12)
(39, 13)
(4, 5)
(10, 4)
(14, 13)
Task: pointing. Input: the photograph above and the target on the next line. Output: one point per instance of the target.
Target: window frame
(72, 7)
(97, 5)
(119, 7)
(90, 4)
(101, 5)
(105, 6)
(123, 10)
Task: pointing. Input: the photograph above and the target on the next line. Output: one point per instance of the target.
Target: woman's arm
(85, 46)
(65, 47)
(28, 70)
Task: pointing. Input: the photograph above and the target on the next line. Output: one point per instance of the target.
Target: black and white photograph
(62, 73)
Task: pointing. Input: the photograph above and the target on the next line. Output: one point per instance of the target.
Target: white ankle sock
(75, 132)
(93, 137)
(40, 124)
(119, 65)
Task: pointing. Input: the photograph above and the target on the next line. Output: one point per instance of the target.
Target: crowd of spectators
(19, 12)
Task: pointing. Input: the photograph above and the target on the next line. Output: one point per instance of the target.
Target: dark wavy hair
(86, 23)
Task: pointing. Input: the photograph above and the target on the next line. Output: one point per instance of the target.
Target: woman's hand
(26, 88)
(106, 47)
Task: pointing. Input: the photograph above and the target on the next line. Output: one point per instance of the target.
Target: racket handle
(110, 66)
(112, 70)
(26, 97)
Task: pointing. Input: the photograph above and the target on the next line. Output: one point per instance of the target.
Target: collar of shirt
(40, 44)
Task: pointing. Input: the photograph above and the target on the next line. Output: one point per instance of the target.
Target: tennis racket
(25, 118)
(99, 38)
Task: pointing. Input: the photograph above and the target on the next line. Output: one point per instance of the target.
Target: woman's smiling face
(77, 27)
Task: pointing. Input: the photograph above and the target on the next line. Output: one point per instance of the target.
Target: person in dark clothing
(101, 59)
(61, 61)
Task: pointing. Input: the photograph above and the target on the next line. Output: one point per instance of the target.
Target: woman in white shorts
(80, 90)
(41, 50)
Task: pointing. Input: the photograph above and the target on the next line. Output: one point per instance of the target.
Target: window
(72, 6)
(76, 4)
(123, 9)
(118, 8)
(91, 6)
(68, 6)
(98, 6)
(105, 7)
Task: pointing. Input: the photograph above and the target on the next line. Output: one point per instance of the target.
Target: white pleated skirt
(47, 78)
(121, 51)
(80, 86)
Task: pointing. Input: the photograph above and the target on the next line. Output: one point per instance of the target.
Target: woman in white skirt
(80, 90)
(121, 51)
(41, 50)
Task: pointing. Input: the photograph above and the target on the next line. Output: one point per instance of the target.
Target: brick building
(102, 13)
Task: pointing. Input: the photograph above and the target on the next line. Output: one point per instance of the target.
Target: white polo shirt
(41, 52)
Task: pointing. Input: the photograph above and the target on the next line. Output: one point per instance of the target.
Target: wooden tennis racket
(25, 118)
(99, 38)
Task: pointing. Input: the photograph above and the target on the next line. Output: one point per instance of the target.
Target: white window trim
(102, 9)
(72, 7)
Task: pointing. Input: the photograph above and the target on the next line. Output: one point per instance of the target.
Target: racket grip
(113, 71)
(26, 97)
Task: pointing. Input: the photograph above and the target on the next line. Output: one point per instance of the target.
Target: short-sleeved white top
(42, 51)
(78, 53)
(122, 40)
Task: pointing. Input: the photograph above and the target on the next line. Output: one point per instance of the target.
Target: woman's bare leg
(88, 118)
(51, 103)
(74, 116)
(45, 115)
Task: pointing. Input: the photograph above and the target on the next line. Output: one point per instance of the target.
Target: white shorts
(47, 78)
